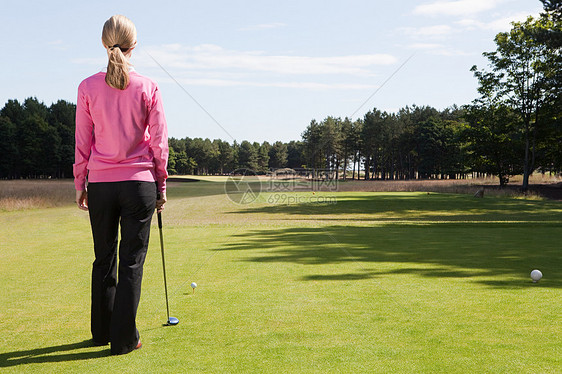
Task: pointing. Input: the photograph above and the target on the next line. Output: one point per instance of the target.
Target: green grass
(375, 282)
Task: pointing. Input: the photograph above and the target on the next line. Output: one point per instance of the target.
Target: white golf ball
(536, 275)
(193, 285)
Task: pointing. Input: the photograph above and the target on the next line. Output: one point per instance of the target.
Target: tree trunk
(367, 168)
(345, 157)
(354, 162)
(526, 164)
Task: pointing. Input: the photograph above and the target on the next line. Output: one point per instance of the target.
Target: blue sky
(261, 70)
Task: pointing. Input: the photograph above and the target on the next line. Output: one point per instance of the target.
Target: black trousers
(115, 300)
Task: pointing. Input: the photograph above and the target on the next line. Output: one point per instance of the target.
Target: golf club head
(172, 321)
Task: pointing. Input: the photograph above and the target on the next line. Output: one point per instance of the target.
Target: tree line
(205, 157)
(36, 141)
(512, 128)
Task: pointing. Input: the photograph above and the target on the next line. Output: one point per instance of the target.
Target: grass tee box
(377, 282)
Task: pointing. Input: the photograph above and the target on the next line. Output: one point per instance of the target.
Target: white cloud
(425, 46)
(496, 25)
(437, 49)
(99, 61)
(250, 83)
(428, 31)
(456, 8)
(57, 45)
(212, 57)
(212, 65)
(264, 26)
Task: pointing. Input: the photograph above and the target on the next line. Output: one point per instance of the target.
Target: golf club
(171, 320)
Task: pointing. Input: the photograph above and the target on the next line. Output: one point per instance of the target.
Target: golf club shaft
(163, 261)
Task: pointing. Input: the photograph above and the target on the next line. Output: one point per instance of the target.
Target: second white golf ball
(536, 275)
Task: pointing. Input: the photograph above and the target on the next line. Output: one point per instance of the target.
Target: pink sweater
(121, 135)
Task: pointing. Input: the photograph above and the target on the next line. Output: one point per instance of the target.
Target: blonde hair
(119, 35)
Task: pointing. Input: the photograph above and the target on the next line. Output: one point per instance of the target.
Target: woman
(121, 156)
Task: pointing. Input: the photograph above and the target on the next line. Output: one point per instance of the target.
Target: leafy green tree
(263, 156)
(521, 68)
(172, 158)
(347, 143)
(454, 148)
(184, 164)
(248, 156)
(225, 156)
(494, 140)
(430, 146)
(330, 143)
(406, 143)
(353, 140)
(372, 137)
(296, 154)
(33, 107)
(30, 137)
(235, 156)
(9, 153)
(14, 111)
(179, 145)
(312, 140)
(278, 155)
(203, 152)
(61, 117)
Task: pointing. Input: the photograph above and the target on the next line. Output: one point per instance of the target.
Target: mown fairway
(377, 282)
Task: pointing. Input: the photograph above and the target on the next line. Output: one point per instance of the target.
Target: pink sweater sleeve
(84, 136)
(158, 131)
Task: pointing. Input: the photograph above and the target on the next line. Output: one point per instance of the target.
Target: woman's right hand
(161, 201)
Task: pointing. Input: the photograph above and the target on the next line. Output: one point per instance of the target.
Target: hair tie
(115, 46)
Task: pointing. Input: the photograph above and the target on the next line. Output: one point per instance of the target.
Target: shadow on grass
(202, 188)
(418, 206)
(51, 354)
(498, 255)
(493, 241)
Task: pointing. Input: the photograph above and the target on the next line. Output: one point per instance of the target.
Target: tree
(430, 147)
(172, 158)
(296, 154)
(372, 137)
(349, 139)
(14, 111)
(9, 153)
(330, 143)
(248, 156)
(30, 140)
(225, 157)
(184, 165)
(553, 6)
(278, 155)
(179, 145)
(203, 152)
(263, 156)
(312, 140)
(61, 117)
(521, 66)
(354, 139)
(494, 140)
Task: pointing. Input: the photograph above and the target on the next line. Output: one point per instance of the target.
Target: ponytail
(119, 35)
(117, 75)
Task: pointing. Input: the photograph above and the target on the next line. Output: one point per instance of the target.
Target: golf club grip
(159, 220)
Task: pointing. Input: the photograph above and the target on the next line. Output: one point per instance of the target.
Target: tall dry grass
(33, 194)
(456, 186)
